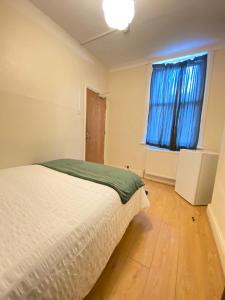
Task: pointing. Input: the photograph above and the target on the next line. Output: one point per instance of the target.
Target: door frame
(92, 88)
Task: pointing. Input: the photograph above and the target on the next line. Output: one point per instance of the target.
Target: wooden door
(95, 127)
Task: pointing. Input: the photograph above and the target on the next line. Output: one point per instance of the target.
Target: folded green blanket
(123, 181)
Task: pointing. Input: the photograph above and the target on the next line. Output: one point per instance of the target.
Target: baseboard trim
(218, 236)
(139, 172)
(160, 179)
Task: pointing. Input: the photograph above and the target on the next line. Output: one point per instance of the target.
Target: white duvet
(57, 232)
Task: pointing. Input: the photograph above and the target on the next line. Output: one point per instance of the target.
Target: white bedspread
(57, 232)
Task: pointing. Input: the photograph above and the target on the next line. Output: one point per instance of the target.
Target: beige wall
(216, 209)
(127, 91)
(43, 73)
(215, 115)
(213, 132)
(127, 107)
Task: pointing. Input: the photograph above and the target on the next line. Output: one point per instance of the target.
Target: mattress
(57, 232)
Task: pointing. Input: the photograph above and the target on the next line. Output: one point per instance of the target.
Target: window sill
(153, 148)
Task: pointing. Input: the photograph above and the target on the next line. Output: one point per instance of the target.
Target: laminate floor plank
(167, 253)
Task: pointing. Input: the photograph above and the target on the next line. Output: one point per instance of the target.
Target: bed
(57, 232)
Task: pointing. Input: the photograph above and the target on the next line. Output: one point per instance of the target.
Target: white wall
(216, 210)
(43, 73)
(128, 106)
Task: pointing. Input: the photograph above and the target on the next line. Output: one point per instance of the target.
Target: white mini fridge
(196, 175)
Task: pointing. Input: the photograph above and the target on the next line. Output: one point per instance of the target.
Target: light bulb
(118, 13)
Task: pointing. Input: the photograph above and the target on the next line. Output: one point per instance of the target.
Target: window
(176, 98)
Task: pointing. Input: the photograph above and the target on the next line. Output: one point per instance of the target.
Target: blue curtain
(176, 97)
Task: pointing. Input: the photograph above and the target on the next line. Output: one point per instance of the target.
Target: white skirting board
(169, 181)
(218, 236)
(139, 172)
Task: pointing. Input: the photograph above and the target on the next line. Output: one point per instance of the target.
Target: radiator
(161, 164)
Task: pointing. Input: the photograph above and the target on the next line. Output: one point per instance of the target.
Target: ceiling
(159, 28)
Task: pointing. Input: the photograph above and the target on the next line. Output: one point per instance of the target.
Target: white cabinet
(196, 175)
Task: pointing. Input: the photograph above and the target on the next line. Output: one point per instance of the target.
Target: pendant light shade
(118, 13)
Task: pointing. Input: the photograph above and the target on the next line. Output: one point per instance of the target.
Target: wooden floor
(166, 253)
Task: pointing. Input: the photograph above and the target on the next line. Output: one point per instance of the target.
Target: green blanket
(123, 181)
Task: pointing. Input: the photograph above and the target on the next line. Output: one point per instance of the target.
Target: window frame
(149, 68)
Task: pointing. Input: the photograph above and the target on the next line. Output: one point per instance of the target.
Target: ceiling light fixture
(118, 13)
